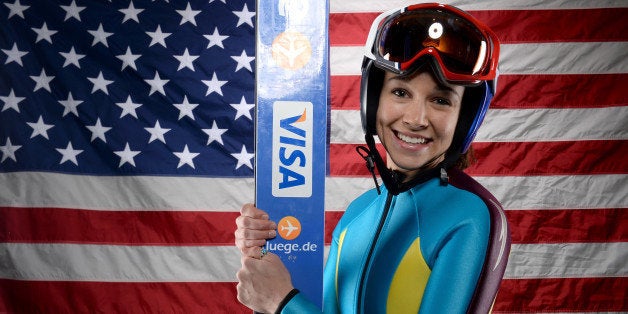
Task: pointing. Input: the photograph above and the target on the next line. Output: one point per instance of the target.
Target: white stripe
(564, 260)
(41, 189)
(559, 192)
(516, 193)
(580, 312)
(74, 262)
(536, 58)
(531, 125)
(343, 6)
(564, 58)
(567, 260)
(520, 125)
(346, 127)
(147, 193)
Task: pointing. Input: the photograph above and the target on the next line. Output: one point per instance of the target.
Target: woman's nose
(415, 117)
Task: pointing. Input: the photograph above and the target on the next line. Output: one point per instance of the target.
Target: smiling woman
(416, 120)
(432, 239)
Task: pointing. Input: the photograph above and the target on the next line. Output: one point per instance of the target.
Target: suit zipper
(380, 226)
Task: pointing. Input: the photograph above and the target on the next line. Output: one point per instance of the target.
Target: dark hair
(465, 160)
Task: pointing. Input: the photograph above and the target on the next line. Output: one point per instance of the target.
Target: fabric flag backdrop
(126, 143)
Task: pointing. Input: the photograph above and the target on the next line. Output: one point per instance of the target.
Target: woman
(431, 240)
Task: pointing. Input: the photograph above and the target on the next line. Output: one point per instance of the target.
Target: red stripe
(58, 225)
(562, 295)
(561, 91)
(511, 26)
(349, 29)
(550, 158)
(586, 25)
(520, 91)
(344, 92)
(115, 297)
(78, 226)
(54, 225)
(548, 226)
(574, 226)
(514, 158)
(521, 296)
(331, 220)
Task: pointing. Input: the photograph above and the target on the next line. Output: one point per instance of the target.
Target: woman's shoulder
(450, 202)
(357, 207)
(359, 203)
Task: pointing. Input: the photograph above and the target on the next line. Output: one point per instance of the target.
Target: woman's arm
(457, 256)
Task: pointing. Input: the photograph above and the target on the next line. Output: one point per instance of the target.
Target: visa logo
(292, 149)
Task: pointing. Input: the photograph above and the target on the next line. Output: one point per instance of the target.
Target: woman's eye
(442, 101)
(399, 93)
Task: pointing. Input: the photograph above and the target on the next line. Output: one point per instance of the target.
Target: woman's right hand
(253, 228)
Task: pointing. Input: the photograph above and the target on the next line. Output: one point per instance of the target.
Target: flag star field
(121, 88)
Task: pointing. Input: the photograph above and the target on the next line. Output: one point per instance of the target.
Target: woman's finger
(247, 222)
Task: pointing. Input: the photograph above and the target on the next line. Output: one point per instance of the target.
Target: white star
(98, 131)
(244, 158)
(100, 36)
(11, 102)
(157, 133)
(69, 154)
(16, 8)
(40, 128)
(158, 37)
(245, 16)
(44, 33)
(185, 108)
(215, 39)
(72, 11)
(214, 85)
(72, 57)
(8, 150)
(14, 55)
(128, 59)
(100, 83)
(185, 157)
(70, 105)
(188, 15)
(131, 13)
(127, 155)
(243, 109)
(185, 60)
(42, 81)
(215, 134)
(157, 84)
(244, 61)
(128, 107)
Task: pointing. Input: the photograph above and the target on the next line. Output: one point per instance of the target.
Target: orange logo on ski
(289, 228)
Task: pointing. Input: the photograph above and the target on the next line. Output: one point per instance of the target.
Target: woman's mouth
(411, 139)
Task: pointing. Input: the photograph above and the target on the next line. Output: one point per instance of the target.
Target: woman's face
(416, 120)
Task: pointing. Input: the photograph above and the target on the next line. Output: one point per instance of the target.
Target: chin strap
(370, 164)
(393, 180)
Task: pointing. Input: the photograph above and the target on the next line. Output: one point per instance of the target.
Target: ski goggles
(465, 50)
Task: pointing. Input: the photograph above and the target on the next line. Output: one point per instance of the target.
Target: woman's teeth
(411, 140)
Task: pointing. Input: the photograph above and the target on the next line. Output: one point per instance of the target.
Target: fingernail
(272, 233)
(265, 217)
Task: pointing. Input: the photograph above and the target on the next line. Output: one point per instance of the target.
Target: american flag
(126, 141)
